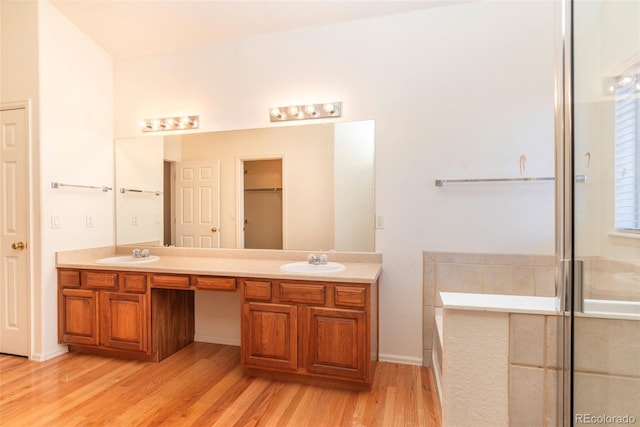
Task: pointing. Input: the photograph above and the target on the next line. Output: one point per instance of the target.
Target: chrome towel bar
(441, 182)
(133, 190)
(92, 187)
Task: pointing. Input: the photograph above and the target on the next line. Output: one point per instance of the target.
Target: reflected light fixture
(305, 111)
(624, 85)
(170, 123)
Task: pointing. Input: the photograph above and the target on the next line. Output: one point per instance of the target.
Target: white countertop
(359, 267)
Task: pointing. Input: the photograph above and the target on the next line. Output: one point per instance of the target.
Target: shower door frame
(564, 147)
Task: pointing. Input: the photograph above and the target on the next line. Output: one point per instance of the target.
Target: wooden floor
(201, 385)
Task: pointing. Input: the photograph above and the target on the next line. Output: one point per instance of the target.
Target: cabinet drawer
(258, 290)
(100, 280)
(302, 293)
(350, 296)
(170, 281)
(69, 278)
(215, 283)
(133, 282)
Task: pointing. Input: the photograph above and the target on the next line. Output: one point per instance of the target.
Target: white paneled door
(198, 204)
(14, 221)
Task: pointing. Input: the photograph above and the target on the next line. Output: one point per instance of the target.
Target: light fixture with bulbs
(170, 123)
(306, 111)
(629, 83)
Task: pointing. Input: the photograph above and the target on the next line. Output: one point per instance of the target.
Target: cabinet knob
(18, 245)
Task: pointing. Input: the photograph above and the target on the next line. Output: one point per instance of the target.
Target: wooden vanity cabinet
(312, 331)
(324, 333)
(103, 310)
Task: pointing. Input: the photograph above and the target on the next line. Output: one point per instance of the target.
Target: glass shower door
(606, 222)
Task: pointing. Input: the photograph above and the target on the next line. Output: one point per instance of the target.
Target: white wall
(76, 147)
(455, 92)
(19, 82)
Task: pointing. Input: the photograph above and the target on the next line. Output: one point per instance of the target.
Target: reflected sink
(126, 259)
(305, 268)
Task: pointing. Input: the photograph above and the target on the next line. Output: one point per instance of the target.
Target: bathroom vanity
(320, 327)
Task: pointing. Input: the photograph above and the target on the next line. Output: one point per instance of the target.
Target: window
(627, 153)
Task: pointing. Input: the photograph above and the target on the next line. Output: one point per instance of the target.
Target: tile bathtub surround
(605, 278)
(533, 369)
(611, 279)
(487, 273)
(481, 273)
(607, 360)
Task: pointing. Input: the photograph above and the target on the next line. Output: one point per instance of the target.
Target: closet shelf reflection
(263, 189)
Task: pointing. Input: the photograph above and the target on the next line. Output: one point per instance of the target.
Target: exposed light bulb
(310, 109)
(329, 108)
(300, 115)
(275, 112)
(293, 110)
(187, 121)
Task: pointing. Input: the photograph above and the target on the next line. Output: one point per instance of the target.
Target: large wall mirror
(307, 187)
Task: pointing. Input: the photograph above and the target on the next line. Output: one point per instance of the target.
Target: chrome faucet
(141, 253)
(318, 260)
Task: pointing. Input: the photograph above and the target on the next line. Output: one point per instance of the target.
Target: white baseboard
(401, 360)
(217, 340)
(42, 357)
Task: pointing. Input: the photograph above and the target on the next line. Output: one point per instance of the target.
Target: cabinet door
(78, 317)
(270, 336)
(123, 321)
(336, 343)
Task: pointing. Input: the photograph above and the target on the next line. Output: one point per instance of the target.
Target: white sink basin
(305, 268)
(126, 259)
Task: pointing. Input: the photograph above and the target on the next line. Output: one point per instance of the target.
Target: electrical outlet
(89, 221)
(55, 221)
(134, 220)
(379, 221)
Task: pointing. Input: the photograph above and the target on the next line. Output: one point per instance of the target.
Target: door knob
(214, 229)
(18, 246)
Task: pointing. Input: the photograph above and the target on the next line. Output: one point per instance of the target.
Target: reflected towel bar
(92, 187)
(133, 190)
(441, 182)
